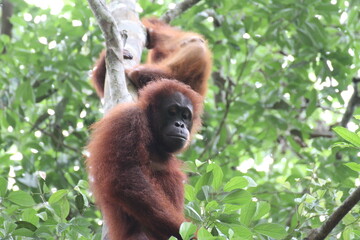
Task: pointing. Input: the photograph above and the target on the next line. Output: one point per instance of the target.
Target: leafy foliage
(265, 166)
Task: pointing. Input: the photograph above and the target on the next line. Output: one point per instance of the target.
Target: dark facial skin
(176, 121)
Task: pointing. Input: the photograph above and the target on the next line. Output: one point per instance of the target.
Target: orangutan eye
(186, 115)
(172, 111)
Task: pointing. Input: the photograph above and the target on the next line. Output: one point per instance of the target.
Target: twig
(54, 138)
(222, 123)
(46, 96)
(58, 141)
(222, 148)
(114, 54)
(39, 120)
(318, 134)
(354, 101)
(229, 99)
(178, 10)
(335, 218)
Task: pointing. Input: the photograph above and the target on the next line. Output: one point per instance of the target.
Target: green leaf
(315, 32)
(348, 219)
(204, 234)
(27, 225)
(236, 183)
(354, 166)
(205, 194)
(30, 215)
(27, 93)
(347, 233)
(343, 145)
(187, 229)
(211, 206)
(10, 120)
(284, 13)
(228, 218)
(262, 208)
(217, 175)
(81, 226)
(61, 227)
(347, 135)
(43, 216)
(58, 196)
(3, 186)
(204, 180)
(9, 226)
(79, 202)
(24, 232)
(251, 181)
(312, 104)
(247, 213)
(239, 196)
(190, 194)
(192, 213)
(62, 208)
(272, 230)
(4, 38)
(18, 21)
(242, 232)
(305, 37)
(83, 184)
(21, 198)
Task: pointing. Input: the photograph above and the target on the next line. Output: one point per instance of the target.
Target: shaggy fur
(174, 54)
(138, 186)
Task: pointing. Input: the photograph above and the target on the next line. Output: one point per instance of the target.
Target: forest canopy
(278, 152)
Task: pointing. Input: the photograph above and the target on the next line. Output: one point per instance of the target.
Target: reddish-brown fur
(99, 74)
(174, 54)
(138, 187)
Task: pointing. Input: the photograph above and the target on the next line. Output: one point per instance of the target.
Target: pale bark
(124, 19)
(116, 19)
(120, 24)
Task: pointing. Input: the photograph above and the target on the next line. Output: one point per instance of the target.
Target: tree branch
(228, 102)
(229, 98)
(178, 10)
(6, 26)
(335, 218)
(122, 19)
(353, 102)
(7, 11)
(114, 55)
